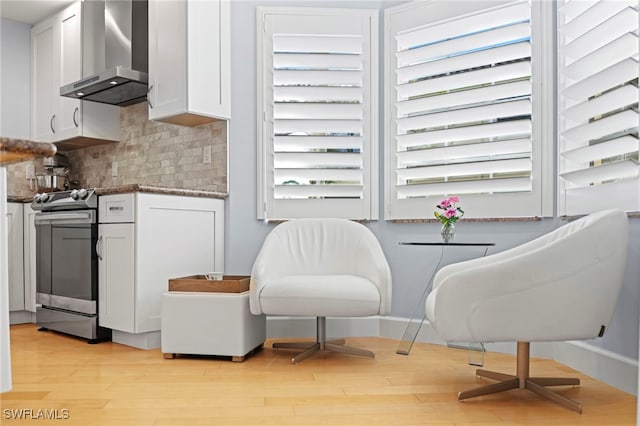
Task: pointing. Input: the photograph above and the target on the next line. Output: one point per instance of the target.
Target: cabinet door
(209, 58)
(66, 48)
(44, 80)
(69, 47)
(16, 274)
(116, 278)
(176, 237)
(29, 258)
(167, 57)
(189, 55)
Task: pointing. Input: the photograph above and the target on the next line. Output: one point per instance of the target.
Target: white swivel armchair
(321, 268)
(561, 286)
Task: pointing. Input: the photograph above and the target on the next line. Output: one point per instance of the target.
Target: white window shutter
(598, 106)
(461, 89)
(317, 107)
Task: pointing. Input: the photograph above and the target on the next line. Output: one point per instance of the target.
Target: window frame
(543, 130)
(572, 199)
(370, 199)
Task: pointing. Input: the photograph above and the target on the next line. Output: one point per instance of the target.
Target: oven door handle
(78, 217)
(99, 248)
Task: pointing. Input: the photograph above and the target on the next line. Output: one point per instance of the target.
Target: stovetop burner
(74, 199)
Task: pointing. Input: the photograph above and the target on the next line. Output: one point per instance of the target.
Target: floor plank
(112, 384)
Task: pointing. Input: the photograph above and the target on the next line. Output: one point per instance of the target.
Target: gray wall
(14, 78)
(410, 266)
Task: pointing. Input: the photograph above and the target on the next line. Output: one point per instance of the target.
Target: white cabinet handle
(53, 117)
(75, 116)
(148, 98)
(99, 248)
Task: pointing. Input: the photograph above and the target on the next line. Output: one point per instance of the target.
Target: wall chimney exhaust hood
(124, 80)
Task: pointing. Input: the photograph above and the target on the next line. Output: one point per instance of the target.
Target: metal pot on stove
(56, 175)
(51, 182)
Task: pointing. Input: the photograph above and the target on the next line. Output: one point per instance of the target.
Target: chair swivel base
(318, 346)
(537, 385)
(321, 344)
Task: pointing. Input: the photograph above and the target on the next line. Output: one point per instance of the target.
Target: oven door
(66, 260)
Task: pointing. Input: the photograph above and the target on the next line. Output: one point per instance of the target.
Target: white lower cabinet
(29, 259)
(144, 240)
(16, 263)
(116, 276)
(22, 265)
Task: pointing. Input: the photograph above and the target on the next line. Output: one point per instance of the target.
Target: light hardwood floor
(112, 384)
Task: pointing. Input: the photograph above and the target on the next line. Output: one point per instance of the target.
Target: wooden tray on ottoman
(198, 283)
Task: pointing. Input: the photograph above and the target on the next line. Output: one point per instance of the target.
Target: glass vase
(447, 232)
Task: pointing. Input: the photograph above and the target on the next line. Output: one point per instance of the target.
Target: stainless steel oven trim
(71, 323)
(43, 298)
(84, 306)
(81, 217)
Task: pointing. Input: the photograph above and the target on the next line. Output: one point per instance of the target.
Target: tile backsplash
(149, 153)
(17, 184)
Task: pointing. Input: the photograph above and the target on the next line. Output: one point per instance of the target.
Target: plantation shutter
(461, 120)
(598, 106)
(317, 122)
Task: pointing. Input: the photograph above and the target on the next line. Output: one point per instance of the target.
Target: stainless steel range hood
(124, 81)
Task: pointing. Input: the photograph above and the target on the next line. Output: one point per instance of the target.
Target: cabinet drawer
(116, 208)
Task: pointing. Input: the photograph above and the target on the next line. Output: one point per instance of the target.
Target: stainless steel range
(67, 263)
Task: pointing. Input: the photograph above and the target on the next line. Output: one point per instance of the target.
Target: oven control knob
(74, 194)
(82, 193)
(44, 198)
(36, 198)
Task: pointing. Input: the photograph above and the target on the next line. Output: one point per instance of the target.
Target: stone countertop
(123, 189)
(17, 150)
(19, 198)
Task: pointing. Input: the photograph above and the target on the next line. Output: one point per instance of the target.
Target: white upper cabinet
(70, 54)
(63, 50)
(43, 81)
(189, 54)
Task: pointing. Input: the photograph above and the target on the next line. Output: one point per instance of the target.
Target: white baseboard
(146, 341)
(616, 370)
(21, 317)
(608, 367)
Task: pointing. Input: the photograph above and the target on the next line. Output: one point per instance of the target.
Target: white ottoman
(205, 323)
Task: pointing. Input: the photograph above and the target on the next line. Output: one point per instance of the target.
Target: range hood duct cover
(124, 80)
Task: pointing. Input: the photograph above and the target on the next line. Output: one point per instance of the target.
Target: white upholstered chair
(321, 268)
(561, 286)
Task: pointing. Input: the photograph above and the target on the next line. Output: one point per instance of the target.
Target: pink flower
(450, 212)
(445, 203)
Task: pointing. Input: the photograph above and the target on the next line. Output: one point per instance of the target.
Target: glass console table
(416, 321)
